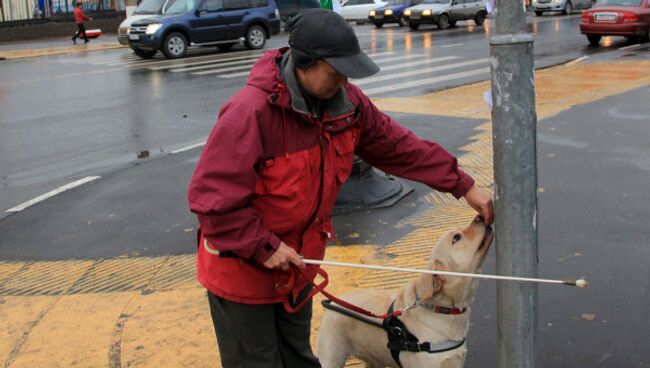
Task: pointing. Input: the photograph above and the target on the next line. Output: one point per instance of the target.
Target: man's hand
(481, 202)
(283, 258)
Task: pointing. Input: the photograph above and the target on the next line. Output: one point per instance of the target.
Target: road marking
(187, 148)
(422, 82)
(246, 64)
(221, 70)
(630, 47)
(212, 61)
(452, 45)
(576, 61)
(419, 72)
(51, 194)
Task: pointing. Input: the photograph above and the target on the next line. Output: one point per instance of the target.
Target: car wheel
(175, 45)
(414, 27)
(379, 25)
(255, 37)
(403, 22)
(646, 36)
(225, 46)
(568, 8)
(479, 18)
(594, 40)
(538, 13)
(145, 54)
(443, 21)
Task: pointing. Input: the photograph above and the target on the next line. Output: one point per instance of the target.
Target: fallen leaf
(588, 316)
(189, 229)
(354, 235)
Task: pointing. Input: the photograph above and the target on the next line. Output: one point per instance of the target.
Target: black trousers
(81, 30)
(260, 336)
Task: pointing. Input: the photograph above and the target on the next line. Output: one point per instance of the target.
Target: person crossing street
(80, 18)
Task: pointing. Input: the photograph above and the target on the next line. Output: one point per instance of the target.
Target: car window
(359, 2)
(236, 4)
(211, 5)
(259, 3)
(181, 6)
(435, 2)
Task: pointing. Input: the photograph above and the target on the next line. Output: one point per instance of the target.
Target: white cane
(581, 283)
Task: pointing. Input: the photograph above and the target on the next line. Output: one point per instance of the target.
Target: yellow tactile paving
(76, 332)
(29, 53)
(161, 316)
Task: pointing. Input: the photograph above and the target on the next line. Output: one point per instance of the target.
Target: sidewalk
(56, 46)
(150, 312)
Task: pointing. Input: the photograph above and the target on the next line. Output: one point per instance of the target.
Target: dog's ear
(439, 280)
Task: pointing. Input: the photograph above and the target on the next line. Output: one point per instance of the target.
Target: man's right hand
(283, 258)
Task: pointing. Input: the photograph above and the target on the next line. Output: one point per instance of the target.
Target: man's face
(321, 80)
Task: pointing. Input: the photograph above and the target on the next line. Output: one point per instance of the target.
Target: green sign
(326, 4)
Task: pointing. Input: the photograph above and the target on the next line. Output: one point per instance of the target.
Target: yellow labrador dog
(459, 250)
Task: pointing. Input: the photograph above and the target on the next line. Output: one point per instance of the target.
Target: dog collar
(438, 308)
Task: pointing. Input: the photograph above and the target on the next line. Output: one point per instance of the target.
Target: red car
(629, 18)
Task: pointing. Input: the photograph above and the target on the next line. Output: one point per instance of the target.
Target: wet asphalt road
(65, 118)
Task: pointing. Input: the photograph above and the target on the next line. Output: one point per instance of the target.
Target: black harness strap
(399, 337)
(327, 304)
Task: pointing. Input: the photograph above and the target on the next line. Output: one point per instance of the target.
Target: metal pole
(515, 170)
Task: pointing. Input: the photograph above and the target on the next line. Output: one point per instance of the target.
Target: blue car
(391, 13)
(197, 23)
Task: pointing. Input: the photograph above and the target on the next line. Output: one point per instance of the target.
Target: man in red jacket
(80, 18)
(266, 181)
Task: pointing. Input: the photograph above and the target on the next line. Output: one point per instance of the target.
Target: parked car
(289, 8)
(445, 13)
(564, 6)
(391, 12)
(146, 9)
(357, 10)
(629, 18)
(196, 23)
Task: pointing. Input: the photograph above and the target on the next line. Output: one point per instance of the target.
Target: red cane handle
(317, 289)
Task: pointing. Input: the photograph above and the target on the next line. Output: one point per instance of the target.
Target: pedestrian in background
(80, 18)
(266, 181)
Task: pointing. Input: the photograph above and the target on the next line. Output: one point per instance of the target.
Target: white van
(144, 10)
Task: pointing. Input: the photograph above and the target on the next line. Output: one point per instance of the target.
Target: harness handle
(320, 288)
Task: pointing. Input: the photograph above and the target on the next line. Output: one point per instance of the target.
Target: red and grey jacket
(79, 16)
(271, 170)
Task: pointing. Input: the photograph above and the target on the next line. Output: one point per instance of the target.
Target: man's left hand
(481, 202)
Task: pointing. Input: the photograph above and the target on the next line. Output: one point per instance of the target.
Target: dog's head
(458, 250)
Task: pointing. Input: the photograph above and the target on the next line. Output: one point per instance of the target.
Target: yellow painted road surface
(72, 49)
(150, 312)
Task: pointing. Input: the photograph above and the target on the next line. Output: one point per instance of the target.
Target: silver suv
(565, 6)
(445, 13)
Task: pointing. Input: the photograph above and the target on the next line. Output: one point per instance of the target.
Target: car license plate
(415, 16)
(606, 17)
(379, 16)
(134, 37)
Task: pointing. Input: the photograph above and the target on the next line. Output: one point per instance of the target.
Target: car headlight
(153, 28)
(426, 12)
(128, 30)
(407, 12)
(372, 13)
(388, 12)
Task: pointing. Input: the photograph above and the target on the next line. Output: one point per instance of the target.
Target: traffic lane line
(52, 193)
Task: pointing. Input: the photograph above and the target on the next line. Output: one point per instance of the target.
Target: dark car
(629, 18)
(196, 23)
(391, 12)
(289, 8)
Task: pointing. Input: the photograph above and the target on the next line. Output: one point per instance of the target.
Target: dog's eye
(456, 238)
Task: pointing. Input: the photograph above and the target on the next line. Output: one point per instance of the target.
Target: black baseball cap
(324, 34)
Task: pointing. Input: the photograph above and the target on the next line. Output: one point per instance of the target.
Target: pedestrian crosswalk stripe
(247, 63)
(222, 70)
(204, 62)
(423, 82)
(382, 78)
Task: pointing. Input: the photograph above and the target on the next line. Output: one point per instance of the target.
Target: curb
(32, 53)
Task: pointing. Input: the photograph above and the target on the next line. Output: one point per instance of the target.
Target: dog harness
(399, 337)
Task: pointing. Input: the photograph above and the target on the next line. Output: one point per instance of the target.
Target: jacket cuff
(265, 251)
(465, 183)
